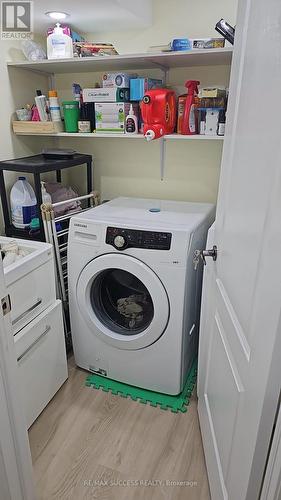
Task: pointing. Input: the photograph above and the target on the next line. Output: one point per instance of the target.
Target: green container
(71, 115)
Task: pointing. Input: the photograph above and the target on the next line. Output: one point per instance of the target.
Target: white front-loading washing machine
(134, 294)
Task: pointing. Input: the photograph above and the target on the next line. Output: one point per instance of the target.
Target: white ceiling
(92, 16)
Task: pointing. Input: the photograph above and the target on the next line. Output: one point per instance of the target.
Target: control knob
(119, 242)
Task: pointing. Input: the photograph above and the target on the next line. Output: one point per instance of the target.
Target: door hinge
(6, 305)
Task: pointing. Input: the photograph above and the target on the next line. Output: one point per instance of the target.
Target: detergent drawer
(31, 294)
(41, 356)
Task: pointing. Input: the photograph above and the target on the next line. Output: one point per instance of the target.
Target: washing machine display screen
(121, 239)
(121, 302)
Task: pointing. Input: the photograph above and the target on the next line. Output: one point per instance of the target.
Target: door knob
(202, 254)
(209, 253)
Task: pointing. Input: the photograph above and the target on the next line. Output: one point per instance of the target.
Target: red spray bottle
(189, 125)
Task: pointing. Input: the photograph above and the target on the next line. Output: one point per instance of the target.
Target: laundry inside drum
(121, 302)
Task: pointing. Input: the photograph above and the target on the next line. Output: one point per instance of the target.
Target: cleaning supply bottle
(59, 45)
(23, 203)
(54, 106)
(46, 197)
(158, 109)
(221, 123)
(189, 125)
(131, 125)
(42, 106)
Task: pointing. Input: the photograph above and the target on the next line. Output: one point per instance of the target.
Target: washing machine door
(123, 301)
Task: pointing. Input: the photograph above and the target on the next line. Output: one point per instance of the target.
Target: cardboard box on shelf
(106, 95)
(121, 80)
(212, 92)
(139, 86)
(89, 49)
(111, 117)
(207, 43)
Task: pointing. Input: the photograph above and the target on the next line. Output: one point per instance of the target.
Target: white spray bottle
(46, 197)
(131, 124)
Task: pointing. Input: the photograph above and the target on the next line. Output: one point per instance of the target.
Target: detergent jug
(158, 109)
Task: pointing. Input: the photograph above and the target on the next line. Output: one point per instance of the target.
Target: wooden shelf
(162, 60)
(124, 136)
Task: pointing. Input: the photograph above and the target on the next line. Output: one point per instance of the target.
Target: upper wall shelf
(123, 136)
(163, 60)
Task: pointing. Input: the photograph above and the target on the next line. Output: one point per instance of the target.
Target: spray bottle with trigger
(189, 118)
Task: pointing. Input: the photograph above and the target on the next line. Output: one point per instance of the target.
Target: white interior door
(239, 371)
(272, 481)
(16, 481)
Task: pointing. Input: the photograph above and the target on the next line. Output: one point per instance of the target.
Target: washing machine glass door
(123, 301)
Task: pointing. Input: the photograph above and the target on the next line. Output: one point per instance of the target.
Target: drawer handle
(31, 308)
(48, 328)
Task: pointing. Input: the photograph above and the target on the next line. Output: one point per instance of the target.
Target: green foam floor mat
(175, 404)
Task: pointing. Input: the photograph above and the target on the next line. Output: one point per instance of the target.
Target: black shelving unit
(37, 165)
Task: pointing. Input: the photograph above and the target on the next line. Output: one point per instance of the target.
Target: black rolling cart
(37, 165)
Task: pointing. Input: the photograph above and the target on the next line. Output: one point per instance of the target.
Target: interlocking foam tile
(175, 404)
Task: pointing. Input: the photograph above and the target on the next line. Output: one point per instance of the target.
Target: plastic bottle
(35, 114)
(221, 124)
(54, 106)
(42, 106)
(34, 228)
(33, 51)
(77, 92)
(189, 117)
(23, 203)
(59, 45)
(158, 109)
(46, 197)
(131, 125)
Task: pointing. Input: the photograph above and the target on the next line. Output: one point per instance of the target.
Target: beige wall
(132, 168)
(128, 167)
(172, 19)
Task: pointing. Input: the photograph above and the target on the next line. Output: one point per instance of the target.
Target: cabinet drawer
(31, 294)
(42, 365)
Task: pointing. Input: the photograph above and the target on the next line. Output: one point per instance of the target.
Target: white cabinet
(37, 325)
(40, 350)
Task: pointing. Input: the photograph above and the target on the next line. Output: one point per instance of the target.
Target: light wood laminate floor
(88, 444)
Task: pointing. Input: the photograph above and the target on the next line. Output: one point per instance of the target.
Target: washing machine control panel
(121, 239)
